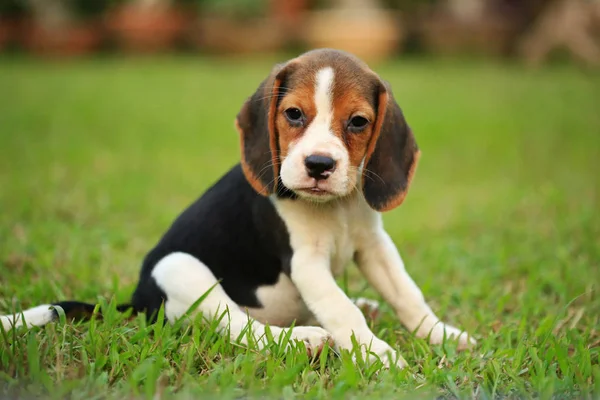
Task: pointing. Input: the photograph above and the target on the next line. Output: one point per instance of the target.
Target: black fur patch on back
(235, 232)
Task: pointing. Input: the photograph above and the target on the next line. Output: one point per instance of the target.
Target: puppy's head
(323, 125)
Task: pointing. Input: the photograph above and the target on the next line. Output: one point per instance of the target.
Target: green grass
(501, 230)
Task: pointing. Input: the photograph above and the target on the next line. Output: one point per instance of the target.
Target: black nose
(319, 167)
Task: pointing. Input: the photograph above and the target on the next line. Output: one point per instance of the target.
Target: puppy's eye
(294, 116)
(357, 124)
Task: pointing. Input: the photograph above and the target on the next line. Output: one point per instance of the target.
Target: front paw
(379, 350)
(314, 338)
(441, 331)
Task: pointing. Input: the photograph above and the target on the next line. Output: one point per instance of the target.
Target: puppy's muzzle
(319, 167)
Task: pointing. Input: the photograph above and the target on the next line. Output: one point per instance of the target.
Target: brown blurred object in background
(12, 16)
(147, 26)
(361, 27)
(58, 28)
(241, 26)
(374, 30)
(5, 33)
(12, 13)
(483, 27)
(568, 25)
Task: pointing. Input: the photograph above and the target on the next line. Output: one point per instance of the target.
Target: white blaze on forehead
(323, 95)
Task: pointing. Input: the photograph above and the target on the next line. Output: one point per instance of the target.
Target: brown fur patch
(346, 106)
(381, 111)
(248, 171)
(391, 157)
(301, 97)
(399, 198)
(273, 132)
(258, 133)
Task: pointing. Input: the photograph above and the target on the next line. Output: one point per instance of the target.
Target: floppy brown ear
(392, 156)
(258, 135)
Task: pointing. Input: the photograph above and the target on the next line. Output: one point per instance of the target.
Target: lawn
(501, 229)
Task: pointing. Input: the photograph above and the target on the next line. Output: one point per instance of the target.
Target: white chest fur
(334, 230)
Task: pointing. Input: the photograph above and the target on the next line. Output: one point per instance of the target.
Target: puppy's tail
(44, 314)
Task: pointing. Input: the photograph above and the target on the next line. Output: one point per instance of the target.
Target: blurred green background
(500, 229)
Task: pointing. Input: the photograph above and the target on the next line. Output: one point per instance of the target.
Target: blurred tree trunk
(467, 10)
(50, 14)
(153, 3)
(564, 24)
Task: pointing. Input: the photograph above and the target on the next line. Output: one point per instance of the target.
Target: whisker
(263, 171)
(268, 165)
(367, 171)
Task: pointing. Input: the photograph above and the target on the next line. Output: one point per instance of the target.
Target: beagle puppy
(325, 149)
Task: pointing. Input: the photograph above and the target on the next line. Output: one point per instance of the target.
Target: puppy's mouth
(317, 190)
(314, 191)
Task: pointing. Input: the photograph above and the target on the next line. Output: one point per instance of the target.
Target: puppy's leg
(312, 276)
(382, 265)
(184, 279)
(369, 308)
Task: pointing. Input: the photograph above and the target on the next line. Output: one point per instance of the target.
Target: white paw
(314, 338)
(451, 333)
(369, 307)
(380, 350)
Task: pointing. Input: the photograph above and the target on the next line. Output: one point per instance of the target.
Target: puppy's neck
(353, 200)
